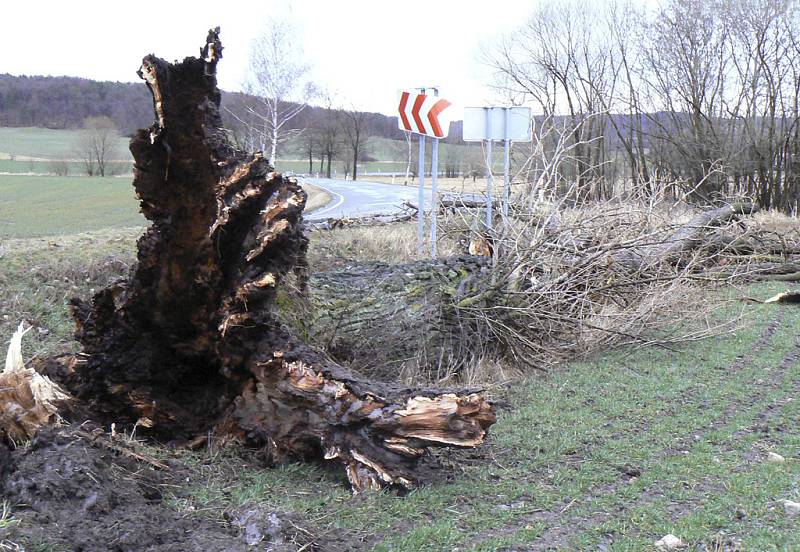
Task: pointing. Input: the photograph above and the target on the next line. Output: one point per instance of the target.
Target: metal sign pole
(421, 197)
(489, 177)
(477, 127)
(434, 188)
(413, 109)
(434, 193)
(506, 179)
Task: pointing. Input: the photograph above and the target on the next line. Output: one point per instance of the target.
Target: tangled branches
(567, 281)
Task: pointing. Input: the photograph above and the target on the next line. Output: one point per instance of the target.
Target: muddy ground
(67, 491)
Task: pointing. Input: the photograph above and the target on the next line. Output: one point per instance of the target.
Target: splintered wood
(378, 433)
(28, 400)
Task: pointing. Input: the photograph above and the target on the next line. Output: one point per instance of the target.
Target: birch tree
(278, 80)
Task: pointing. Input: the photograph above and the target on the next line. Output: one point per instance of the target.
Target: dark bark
(384, 317)
(190, 341)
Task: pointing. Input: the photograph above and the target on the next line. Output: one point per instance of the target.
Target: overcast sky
(365, 50)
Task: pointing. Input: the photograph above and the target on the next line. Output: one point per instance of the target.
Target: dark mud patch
(67, 493)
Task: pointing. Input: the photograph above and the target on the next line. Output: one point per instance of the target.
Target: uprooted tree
(190, 341)
(199, 336)
(556, 287)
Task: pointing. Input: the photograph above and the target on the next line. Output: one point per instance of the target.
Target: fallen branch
(379, 219)
(786, 297)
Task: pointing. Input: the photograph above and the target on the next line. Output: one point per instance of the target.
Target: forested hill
(65, 102)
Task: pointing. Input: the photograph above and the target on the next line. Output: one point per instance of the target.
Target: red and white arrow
(424, 114)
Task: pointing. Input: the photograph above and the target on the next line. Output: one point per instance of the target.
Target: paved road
(360, 198)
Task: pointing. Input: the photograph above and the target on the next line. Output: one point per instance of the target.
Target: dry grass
(317, 197)
(778, 223)
(38, 277)
(458, 185)
(389, 243)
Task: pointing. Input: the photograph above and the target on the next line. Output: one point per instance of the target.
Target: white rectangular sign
(489, 123)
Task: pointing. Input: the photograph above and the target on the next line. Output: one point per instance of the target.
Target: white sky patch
(364, 50)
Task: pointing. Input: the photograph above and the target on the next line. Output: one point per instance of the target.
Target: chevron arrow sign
(424, 114)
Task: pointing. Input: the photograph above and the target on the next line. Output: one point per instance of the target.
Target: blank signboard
(489, 123)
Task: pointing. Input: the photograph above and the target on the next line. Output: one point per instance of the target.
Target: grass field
(617, 450)
(44, 205)
(301, 167)
(35, 151)
(610, 453)
(31, 150)
(43, 143)
(33, 206)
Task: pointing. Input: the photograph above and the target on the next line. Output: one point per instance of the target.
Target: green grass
(616, 450)
(42, 206)
(49, 168)
(557, 458)
(378, 166)
(30, 150)
(42, 142)
(38, 276)
(390, 156)
(695, 430)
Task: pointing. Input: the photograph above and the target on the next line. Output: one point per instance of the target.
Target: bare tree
(309, 147)
(560, 60)
(329, 133)
(760, 107)
(702, 94)
(624, 18)
(354, 129)
(278, 82)
(97, 144)
(686, 59)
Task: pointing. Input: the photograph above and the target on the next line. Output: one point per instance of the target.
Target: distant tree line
(66, 103)
(325, 133)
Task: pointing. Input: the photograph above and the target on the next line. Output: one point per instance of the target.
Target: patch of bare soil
(68, 493)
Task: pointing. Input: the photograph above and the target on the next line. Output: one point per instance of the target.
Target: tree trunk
(419, 317)
(685, 239)
(394, 317)
(273, 151)
(191, 340)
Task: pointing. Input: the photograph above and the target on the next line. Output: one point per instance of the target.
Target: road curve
(361, 198)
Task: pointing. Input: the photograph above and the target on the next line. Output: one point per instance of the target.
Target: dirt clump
(68, 493)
